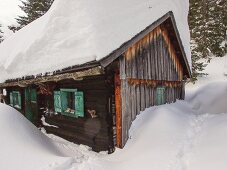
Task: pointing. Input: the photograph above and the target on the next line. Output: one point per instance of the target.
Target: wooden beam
(117, 83)
(155, 83)
(55, 78)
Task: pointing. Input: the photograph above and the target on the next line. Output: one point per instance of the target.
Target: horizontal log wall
(94, 132)
(148, 64)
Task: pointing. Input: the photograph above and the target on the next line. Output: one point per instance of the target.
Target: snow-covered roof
(76, 32)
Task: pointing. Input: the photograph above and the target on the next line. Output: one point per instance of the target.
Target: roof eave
(118, 52)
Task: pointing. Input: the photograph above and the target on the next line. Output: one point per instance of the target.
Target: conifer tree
(207, 21)
(217, 26)
(33, 9)
(198, 50)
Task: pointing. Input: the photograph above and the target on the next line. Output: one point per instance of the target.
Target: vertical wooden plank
(134, 109)
(165, 66)
(149, 57)
(183, 91)
(155, 56)
(159, 58)
(142, 97)
(167, 63)
(152, 56)
(138, 105)
(118, 106)
(134, 63)
(151, 96)
(142, 86)
(134, 75)
(154, 96)
(123, 100)
(128, 87)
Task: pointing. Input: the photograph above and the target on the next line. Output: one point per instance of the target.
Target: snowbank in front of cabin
(188, 134)
(76, 32)
(211, 98)
(24, 147)
(169, 137)
(176, 136)
(156, 141)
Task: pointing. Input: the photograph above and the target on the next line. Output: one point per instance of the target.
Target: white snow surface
(76, 32)
(24, 147)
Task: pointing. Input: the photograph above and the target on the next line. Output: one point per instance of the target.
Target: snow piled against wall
(188, 134)
(75, 32)
(24, 147)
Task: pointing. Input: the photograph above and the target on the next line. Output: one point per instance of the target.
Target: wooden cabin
(95, 103)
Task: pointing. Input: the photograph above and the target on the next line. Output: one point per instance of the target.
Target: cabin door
(31, 107)
(160, 96)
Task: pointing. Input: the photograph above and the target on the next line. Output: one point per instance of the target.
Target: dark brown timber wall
(150, 63)
(94, 132)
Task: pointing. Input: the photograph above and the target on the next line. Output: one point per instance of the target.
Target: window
(160, 96)
(69, 102)
(15, 99)
(4, 92)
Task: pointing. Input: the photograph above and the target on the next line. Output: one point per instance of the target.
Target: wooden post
(117, 82)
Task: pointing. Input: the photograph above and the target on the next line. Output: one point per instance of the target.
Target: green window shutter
(79, 104)
(57, 101)
(33, 95)
(15, 99)
(64, 100)
(19, 100)
(11, 98)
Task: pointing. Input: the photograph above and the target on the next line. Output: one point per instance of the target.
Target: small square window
(69, 102)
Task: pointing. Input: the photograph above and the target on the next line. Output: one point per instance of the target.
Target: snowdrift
(23, 146)
(211, 98)
(75, 32)
(188, 134)
(169, 137)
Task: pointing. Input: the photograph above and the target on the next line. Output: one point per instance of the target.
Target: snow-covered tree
(199, 50)
(199, 22)
(197, 65)
(207, 21)
(33, 9)
(218, 27)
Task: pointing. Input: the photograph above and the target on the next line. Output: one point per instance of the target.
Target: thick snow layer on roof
(76, 32)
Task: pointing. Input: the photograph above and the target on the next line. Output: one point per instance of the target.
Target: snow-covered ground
(186, 135)
(24, 147)
(216, 70)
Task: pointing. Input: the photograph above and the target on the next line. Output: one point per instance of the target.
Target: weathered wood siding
(94, 132)
(148, 64)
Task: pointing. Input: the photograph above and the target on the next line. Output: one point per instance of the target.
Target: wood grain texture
(148, 64)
